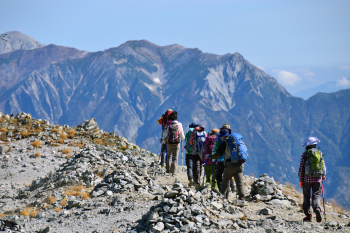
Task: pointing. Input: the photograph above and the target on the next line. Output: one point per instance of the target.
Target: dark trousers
(220, 167)
(163, 154)
(316, 191)
(196, 168)
(233, 170)
(189, 164)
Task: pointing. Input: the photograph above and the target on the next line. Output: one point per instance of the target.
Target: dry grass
(63, 136)
(51, 140)
(4, 130)
(336, 206)
(80, 144)
(10, 149)
(33, 213)
(2, 215)
(51, 199)
(96, 130)
(77, 191)
(29, 211)
(36, 143)
(55, 130)
(67, 156)
(38, 122)
(58, 126)
(66, 151)
(40, 128)
(71, 133)
(244, 217)
(46, 205)
(290, 186)
(37, 154)
(85, 196)
(61, 141)
(64, 202)
(98, 141)
(58, 209)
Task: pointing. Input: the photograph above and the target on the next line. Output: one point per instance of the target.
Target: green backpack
(314, 166)
(188, 147)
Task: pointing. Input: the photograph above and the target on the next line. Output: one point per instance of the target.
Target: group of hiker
(223, 153)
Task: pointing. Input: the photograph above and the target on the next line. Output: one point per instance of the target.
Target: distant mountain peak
(14, 40)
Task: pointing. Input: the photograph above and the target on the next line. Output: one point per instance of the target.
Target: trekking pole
(205, 169)
(212, 174)
(324, 206)
(182, 157)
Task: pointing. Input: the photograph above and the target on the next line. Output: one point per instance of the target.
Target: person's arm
(301, 173)
(182, 132)
(220, 151)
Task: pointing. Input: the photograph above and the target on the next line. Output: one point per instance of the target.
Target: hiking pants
(233, 170)
(219, 171)
(189, 164)
(211, 180)
(173, 154)
(196, 168)
(163, 154)
(316, 191)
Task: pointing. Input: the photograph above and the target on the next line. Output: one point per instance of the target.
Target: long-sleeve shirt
(301, 174)
(208, 145)
(181, 131)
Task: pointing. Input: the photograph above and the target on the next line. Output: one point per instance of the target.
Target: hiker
(234, 166)
(163, 121)
(220, 167)
(188, 147)
(312, 171)
(174, 135)
(197, 140)
(210, 169)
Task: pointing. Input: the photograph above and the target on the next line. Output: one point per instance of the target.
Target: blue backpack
(236, 149)
(199, 139)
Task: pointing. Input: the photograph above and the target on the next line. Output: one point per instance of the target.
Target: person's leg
(196, 169)
(189, 164)
(175, 156)
(208, 175)
(163, 154)
(306, 203)
(170, 155)
(213, 177)
(220, 167)
(228, 174)
(239, 180)
(316, 204)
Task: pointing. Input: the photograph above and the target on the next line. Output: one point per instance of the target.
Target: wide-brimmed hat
(311, 141)
(224, 133)
(200, 126)
(193, 125)
(225, 126)
(214, 131)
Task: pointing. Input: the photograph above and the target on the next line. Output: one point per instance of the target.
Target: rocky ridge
(106, 184)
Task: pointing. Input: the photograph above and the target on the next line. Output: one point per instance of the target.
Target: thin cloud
(287, 78)
(344, 82)
(346, 68)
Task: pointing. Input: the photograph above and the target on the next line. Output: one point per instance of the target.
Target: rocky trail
(82, 179)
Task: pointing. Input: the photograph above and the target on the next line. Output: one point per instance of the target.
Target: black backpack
(173, 133)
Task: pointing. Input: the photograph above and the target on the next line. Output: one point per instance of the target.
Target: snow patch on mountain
(218, 89)
(11, 41)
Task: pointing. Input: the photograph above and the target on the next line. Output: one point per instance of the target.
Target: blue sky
(300, 43)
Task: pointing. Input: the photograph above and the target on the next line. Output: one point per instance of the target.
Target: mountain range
(328, 87)
(127, 88)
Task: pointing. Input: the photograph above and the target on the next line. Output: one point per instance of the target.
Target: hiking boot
(190, 183)
(241, 197)
(318, 214)
(308, 218)
(196, 185)
(232, 187)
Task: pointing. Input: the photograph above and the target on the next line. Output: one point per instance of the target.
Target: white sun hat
(311, 141)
